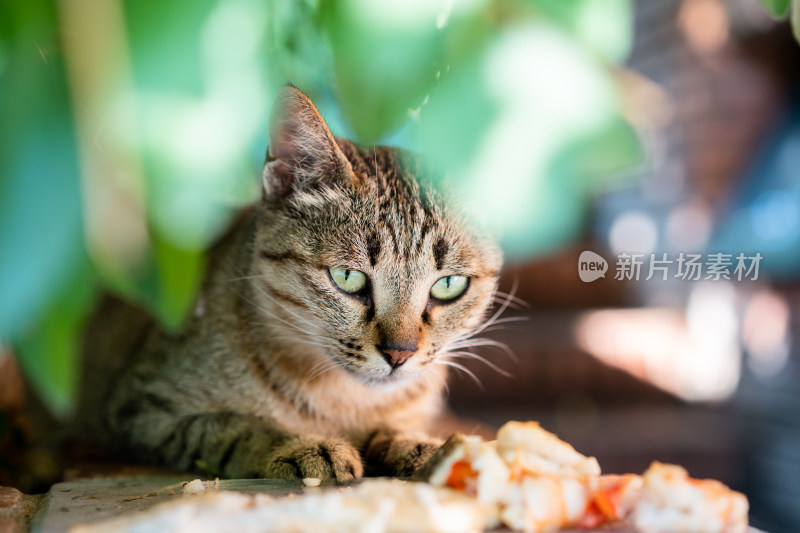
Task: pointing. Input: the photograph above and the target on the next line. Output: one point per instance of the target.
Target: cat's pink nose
(395, 358)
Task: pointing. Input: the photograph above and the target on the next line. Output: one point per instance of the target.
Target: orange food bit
(592, 517)
(606, 504)
(460, 475)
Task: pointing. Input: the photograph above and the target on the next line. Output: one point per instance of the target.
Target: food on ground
(375, 506)
(539, 483)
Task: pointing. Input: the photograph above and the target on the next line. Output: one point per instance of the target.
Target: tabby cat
(317, 345)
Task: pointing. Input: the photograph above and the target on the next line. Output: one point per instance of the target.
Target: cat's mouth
(384, 375)
(392, 378)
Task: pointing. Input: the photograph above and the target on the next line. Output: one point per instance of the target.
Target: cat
(317, 345)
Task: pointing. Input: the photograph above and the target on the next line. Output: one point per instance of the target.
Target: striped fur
(278, 372)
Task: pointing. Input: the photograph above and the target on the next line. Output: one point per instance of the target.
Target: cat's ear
(302, 152)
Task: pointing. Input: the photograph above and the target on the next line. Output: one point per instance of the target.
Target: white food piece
(673, 502)
(536, 481)
(312, 481)
(458, 448)
(538, 451)
(194, 488)
(492, 483)
(544, 503)
(379, 506)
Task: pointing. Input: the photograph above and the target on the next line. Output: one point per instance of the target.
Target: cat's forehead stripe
(404, 220)
(373, 247)
(440, 249)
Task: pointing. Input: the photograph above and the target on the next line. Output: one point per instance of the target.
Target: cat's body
(281, 372)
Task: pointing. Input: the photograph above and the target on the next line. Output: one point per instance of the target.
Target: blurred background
(131, 132)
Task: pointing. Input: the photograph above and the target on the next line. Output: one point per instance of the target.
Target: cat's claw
(307, 457)
(419, 453)
(395, 454)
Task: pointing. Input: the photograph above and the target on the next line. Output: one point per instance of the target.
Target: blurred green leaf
(297, 47)
(167, 55)
(41, 232)
(604, 27)
(381, 71)
(384, 64)
(447, 134)
(180, 272)
(166, 284)
(197, 126)
(777, 8)
(198, 123)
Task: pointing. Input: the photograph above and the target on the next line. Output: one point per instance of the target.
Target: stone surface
(76, 502)
(16, 510)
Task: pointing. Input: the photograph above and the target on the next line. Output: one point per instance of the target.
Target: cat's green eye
(449, 287)
(348, 280)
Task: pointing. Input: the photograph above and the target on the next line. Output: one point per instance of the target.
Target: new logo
(591, 266)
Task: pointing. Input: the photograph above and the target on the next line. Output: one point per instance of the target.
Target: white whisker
(512, 305)
(470, 355)
(492, 320)
(229, 280)
(462, 368)
(480, 341)
(483, 327)
(468, 339)
(295, 315)
(318, 364)
(501, 327)
(509, 295)
(305, 338)
(282, 306)
(291, 324)
(325, 369)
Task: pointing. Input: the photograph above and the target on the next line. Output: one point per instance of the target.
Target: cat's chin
(387, 381)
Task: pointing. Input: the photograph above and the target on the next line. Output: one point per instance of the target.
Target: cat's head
(359, 260)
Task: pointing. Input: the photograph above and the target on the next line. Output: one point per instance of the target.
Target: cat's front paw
(397, 454)
(304, 457)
